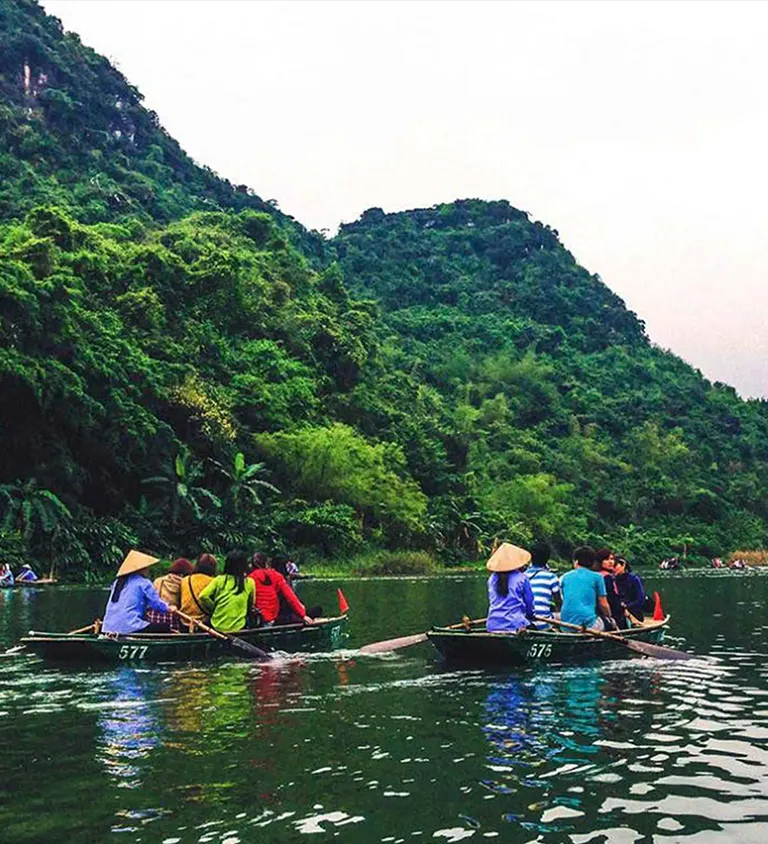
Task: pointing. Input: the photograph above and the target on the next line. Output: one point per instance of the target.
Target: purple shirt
(126, 615)
(511, 612)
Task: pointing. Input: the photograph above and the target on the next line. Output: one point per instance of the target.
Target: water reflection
(129, 729)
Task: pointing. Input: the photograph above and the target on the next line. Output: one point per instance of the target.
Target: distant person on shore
(510, 597)
(545, 584)
(132, 597)
(631, 589)
(26, 575)
(6, 575)
(584, 601)
(229, 597)
(193, 585)
(605, 562)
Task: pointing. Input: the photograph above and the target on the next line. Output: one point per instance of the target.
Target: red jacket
(268, 594)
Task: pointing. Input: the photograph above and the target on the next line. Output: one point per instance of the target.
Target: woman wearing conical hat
(510, 597)
(132, 596)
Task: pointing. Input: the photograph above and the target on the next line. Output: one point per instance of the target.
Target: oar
(91, 628)
(407, 641)
(251, 650)
(645, 648)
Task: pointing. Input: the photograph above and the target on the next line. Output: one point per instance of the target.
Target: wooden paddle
(407, 641)
(91, 628)
(251, 650)
(645, 648)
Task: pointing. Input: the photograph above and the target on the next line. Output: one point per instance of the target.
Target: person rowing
(26, 575)
(510, 598)
(584, 600)
(133, 598)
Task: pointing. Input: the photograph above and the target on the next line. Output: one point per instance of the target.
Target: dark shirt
(632, 592)
(614, 600)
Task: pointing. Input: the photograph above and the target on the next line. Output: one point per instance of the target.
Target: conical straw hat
(508, 558)
(135, 561)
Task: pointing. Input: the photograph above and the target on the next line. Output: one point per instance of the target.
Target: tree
(243, 483)
(182, 490)
(36, 512)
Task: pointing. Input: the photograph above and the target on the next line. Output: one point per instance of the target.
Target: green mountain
(182, 366)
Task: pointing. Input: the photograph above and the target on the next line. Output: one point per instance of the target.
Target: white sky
(638, 130)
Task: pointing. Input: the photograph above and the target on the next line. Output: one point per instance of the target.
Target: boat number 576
(540, 651)
(135, 651)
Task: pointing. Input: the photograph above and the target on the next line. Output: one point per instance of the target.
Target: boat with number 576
(325, 634)
(475, 646)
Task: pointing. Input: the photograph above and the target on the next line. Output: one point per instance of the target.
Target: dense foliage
(182, 366)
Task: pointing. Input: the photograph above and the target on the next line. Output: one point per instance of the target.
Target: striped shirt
(544, 585)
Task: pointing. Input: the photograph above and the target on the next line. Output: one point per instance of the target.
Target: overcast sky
(638, 130)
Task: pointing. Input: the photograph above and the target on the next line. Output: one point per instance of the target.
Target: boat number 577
(135, 651)
(540, 651)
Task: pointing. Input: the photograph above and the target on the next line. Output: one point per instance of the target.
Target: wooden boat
(477, 647)
(325, 634)
(30, 584)
(37, 584)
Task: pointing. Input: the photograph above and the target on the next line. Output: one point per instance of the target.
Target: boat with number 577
(475, 646)
(326, 634)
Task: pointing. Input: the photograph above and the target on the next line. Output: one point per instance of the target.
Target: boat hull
(477, 647)
(324, 635)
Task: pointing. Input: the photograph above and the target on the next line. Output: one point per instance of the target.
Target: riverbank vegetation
(185, 368)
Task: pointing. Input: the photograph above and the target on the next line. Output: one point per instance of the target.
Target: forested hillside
(182, 366)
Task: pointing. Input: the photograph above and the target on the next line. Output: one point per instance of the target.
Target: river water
(394, 749)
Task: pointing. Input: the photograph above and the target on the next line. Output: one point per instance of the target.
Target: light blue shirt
(509, 612)
(126, 615)
(581, 589)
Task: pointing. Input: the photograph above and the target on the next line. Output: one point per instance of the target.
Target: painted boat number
(539, 651)
(135, 651)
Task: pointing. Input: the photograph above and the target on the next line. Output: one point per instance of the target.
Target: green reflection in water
(393, 749)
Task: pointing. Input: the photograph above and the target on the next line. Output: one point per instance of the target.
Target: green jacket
(228, 608)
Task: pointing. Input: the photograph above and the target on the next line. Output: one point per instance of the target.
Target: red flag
(343, 605)
(658, 612)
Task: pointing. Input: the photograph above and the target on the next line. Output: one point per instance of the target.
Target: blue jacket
(515, 609)
(127, 614)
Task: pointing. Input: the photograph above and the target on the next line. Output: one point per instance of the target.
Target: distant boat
(31, 584)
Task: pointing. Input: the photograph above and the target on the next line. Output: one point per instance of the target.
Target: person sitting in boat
(510, 598)
(584, 600)
(193, 585)
(132, 597)
(605, 562)
(229, 597)
(6, 575)
(169, 585)
(271, 588)
(631, 589)
(26, 575)
(545, 584)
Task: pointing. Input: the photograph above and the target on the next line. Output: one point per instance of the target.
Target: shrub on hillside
(396, 563)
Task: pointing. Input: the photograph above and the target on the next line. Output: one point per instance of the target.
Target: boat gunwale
(179, 638)
(525, 633)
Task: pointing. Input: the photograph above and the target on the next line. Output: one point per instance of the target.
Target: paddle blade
(343, 605)
(252, 651)
(657, 651)
(393, 644)
(658, 612)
